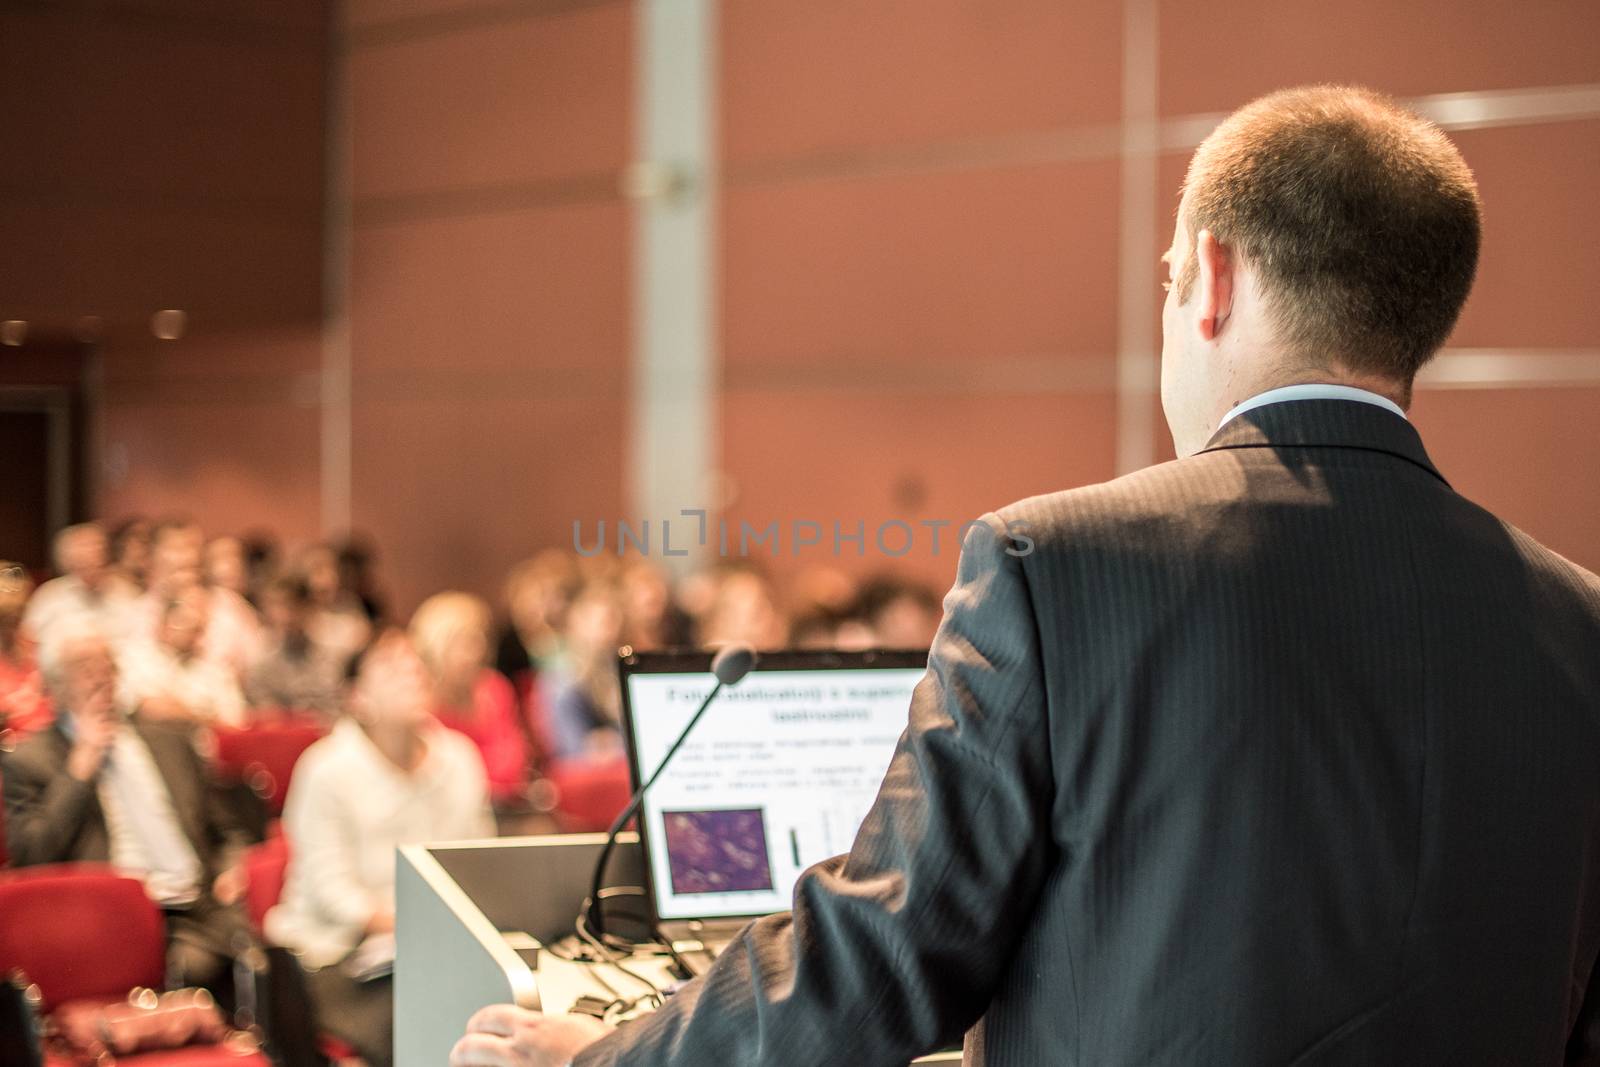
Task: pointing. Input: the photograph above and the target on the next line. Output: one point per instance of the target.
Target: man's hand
(230, 885)
(95, 732)
(503, 1035)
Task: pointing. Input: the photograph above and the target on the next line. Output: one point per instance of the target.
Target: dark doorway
(42, 446)
(25, 500)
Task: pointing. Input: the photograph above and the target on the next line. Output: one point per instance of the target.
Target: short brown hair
(1359, 216)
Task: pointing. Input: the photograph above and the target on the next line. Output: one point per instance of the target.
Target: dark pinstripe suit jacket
(1283, 753)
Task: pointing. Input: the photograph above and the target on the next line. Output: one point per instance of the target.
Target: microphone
(729, 665)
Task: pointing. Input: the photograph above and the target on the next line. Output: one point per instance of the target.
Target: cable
(616, 942)
(684, 970)
(609, 956)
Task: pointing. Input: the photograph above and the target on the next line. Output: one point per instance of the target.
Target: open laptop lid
(777, 776)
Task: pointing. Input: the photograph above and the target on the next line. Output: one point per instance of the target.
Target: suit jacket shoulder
(50, 816)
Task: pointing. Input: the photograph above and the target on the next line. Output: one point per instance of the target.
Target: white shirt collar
(1312, 391)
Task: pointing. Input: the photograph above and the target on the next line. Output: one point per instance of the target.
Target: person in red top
(24, 705)
(451, 633)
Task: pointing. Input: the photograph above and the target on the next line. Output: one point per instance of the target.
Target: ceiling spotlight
(13, 332)
(169, 324)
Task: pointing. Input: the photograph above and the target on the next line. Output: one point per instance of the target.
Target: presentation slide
(777, 776)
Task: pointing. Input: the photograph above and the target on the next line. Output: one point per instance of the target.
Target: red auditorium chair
(589, 793)
(7, 745)
(5, 853)
(263, 754)
(81, 932)
(265, 866)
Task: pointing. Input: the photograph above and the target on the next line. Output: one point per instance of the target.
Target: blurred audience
(579, 686)
(821, 589)
(650, 618)
(99, 787)
(451, 634)
(898, 613)
(130, 557)
(110, 674)
(744, 608)
(232, 633)
(174, 559)
(293, 672)
(24, 705)
(81, 594)
(816, 629)
(357, 561)
(261, 563)
(387, 775)
(537, 594)
(166, 676)
(223, 566)
(339, 623)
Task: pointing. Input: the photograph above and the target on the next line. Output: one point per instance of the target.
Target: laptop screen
(777, 776)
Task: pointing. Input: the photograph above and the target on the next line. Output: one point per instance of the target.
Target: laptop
(777, 776)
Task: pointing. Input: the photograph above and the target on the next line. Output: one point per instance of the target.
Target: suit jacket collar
(188, 800)
(1324, 424)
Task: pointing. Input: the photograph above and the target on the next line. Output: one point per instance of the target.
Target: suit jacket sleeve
(46, 807)
(897, 948)
(1583, 1044)
(227, 836)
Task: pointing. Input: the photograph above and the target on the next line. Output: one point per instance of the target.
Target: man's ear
(1216, 284)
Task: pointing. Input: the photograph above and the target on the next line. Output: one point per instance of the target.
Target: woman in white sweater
(387, 775)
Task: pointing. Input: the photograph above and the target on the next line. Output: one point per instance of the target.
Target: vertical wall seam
(336, 445)
(672, 432)
(1137, 307)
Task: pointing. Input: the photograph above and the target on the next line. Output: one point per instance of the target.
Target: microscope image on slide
(720, 851)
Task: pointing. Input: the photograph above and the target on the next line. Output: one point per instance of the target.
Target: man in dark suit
(97, 787)
(1281, 753)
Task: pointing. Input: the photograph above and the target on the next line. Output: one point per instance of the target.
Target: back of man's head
(1359, 218)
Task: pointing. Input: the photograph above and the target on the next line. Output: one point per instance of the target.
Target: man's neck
(1239, 391)
(401, 746)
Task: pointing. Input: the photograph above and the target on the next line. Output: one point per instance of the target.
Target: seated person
(231, 635)
(293, 671)
(901, 613)
(130, 558)
(222, 566)
(24, 705)
(387, 775)
(168, 677)
(339, 622)
(743, 607)
(82, 594)
(537, 594)
(451, 633)
(580, 687)
(134, 793)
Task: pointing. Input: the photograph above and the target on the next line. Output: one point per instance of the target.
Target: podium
(470, 919)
